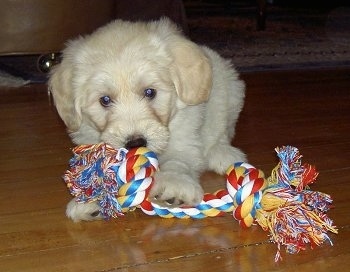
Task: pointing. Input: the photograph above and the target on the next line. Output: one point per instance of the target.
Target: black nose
(135, 142)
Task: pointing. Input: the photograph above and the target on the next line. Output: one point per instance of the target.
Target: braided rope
(120, 180)
(212, 205)
(125, 178)
(135, 177)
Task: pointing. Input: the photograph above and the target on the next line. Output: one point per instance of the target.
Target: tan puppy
(145, 84)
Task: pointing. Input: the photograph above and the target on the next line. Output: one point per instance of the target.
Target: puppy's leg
(177, 182)
(218, 150)
(222, 111)
(83, 211)
(221, 156)
(175, 185)
(217, 131)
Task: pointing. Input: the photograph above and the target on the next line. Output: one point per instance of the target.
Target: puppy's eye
(105, 101)
(150, 93)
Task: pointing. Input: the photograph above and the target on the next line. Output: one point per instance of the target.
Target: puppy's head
(124, 83)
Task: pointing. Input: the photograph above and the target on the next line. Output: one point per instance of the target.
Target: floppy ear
(60, 85)
(192, 72)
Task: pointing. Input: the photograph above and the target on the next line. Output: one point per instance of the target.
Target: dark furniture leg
(261, 15)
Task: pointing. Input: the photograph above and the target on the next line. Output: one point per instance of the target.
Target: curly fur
(189, 122)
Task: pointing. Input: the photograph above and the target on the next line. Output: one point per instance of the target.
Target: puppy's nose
(135, 142)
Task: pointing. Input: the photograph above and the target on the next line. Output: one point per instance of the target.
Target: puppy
(144, 84)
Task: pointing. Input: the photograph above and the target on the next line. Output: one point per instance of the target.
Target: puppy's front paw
(174, 189)
(83, 211)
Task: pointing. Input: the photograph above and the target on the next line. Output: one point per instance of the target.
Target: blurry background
(256, 34)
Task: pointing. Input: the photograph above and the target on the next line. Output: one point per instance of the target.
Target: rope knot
(118, 179)
(245, 185)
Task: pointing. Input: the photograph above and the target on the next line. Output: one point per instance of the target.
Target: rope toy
(282, 204)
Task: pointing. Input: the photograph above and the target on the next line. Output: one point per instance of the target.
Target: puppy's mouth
(135, 142)
(156, 141)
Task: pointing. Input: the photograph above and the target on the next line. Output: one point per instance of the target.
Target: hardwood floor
(307, 109)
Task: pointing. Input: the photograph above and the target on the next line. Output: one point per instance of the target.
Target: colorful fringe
(282, 204)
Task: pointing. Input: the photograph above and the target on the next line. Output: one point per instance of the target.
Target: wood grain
(308, 109)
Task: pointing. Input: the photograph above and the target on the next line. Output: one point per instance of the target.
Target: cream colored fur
(189, 123)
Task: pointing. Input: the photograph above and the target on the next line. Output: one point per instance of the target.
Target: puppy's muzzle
(136, 141)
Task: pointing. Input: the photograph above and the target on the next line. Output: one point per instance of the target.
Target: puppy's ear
(192, 72)
(60, 85)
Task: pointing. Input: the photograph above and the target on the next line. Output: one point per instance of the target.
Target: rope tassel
(282, 204)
